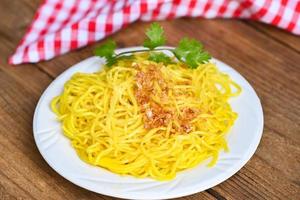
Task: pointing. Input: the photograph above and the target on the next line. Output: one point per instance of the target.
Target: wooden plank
(284, 155)
(198, 196)
(16, 16)
(248, 184)
(270, 66)
(277, 34)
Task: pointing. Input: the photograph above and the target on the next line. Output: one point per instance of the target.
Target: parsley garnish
(188, 51)
(191, 52)
(160, 57)
(107, 50)
(155, 36)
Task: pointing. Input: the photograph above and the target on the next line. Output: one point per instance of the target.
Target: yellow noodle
(101, 116)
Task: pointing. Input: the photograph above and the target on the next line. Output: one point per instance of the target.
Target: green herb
(107, 50)
(155, 36)
(159, 57)
(189, 51)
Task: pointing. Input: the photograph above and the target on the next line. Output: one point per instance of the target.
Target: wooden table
(269, 58)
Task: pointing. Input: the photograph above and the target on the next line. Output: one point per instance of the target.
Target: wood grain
(269, 58)
(280, 36)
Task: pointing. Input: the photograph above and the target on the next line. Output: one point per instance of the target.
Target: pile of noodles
(101, 116)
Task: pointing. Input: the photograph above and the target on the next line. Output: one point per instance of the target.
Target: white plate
(56, 149)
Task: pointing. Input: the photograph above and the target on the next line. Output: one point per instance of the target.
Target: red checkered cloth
(61, 26)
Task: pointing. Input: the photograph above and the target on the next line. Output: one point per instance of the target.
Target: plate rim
(219, 179)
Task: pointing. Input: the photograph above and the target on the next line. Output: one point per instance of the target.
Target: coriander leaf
(110, 61)
(155, 36)
(160, 57)
(107, 50)
(186, 46)
(191, 52)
